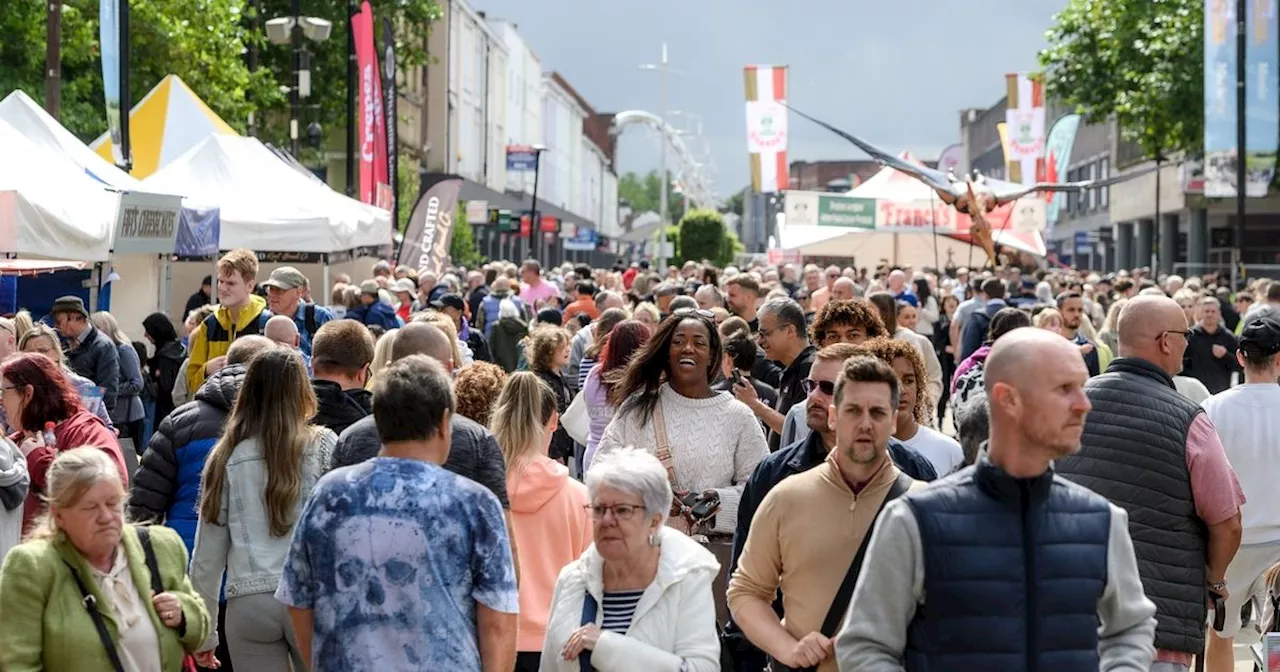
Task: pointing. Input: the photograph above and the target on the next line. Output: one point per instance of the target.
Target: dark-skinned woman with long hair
(708, 441)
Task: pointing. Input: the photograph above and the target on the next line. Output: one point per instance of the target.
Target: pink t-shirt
(533, 295)
(1215, 488)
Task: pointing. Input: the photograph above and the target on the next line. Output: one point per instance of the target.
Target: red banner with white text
(371, 126)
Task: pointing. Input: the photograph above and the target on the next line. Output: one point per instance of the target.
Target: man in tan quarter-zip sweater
(808, 529)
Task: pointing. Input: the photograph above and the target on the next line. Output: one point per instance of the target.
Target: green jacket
(46, 627)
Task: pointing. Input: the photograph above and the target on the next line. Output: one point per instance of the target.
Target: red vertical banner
(371, 125)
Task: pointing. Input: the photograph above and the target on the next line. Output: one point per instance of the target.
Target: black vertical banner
(389, 90)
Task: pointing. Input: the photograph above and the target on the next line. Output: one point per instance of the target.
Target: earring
(653, 539)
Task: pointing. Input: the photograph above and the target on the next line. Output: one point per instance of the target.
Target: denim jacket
(242, 545)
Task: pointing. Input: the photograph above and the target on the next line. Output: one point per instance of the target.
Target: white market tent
(50, 207)
(25, 115)
(266, 205)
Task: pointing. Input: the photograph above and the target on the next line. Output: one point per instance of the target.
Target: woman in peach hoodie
(549, 516)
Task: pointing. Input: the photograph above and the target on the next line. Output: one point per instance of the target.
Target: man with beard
(810, 451)
(808, 537)
(1071, 305)
(1051, 561)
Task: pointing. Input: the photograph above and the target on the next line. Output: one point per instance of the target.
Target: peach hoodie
(552, 528)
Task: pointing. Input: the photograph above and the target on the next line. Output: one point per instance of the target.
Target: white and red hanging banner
(766, 88)
(371, 127)
(1025, 128)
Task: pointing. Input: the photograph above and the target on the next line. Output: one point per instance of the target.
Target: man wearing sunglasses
(1155, 453)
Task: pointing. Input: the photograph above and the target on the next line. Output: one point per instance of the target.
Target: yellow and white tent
(167, 122)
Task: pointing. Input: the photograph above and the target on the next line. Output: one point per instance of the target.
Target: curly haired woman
(915, 406)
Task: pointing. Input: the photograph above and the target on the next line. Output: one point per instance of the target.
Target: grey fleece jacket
(891, 588)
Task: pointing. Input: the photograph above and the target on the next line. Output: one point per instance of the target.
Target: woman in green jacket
(84, 541)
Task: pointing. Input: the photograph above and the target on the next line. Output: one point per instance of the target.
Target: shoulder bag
(157, 586)
(589, 608)
(576, 420)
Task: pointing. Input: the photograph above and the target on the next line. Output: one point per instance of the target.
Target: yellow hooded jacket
(213, 337)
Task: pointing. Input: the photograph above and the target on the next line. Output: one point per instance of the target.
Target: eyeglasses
(1186, 333)
(827, 387)
(620, 511)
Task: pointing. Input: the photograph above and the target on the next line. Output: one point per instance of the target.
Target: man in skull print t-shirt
(392, 557)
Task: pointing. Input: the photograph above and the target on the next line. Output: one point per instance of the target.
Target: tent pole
(166, 283)
(324, 283)
(95, 281)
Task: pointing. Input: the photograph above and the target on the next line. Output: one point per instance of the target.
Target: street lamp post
(295, 93)
(1237, 268)
(534, 220)
(662, 68)
(290, 30)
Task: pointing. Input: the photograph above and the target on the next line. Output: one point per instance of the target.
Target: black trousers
(528, 661)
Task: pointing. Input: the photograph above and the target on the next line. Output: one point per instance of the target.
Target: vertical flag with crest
(1024, 124)
(766, 88)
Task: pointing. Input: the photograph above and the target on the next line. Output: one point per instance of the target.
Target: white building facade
(523, 97)
(477, 102)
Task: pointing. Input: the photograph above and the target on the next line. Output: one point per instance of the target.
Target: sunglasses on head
(700, 312)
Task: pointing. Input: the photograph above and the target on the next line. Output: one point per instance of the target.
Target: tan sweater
(802, 541)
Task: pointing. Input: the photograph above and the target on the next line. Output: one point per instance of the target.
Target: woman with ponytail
(549, 518)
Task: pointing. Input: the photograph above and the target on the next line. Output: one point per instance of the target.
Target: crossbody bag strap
(589, 607)
(153, 566)
(99, 623)
(839, 605)
(663, 453)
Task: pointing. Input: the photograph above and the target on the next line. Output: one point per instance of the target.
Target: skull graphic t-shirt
(392, 555)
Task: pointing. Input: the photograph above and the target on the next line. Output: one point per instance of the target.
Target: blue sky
(897, 73)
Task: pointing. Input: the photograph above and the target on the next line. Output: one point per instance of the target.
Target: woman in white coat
(639, 598)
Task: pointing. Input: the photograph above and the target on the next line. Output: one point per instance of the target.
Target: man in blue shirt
(397, 563)
(285, 288)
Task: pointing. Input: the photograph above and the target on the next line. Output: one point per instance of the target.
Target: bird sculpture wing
(936, 179)
(1006, 192)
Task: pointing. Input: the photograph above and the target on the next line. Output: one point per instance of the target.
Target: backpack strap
(309, 320)
(99, 623)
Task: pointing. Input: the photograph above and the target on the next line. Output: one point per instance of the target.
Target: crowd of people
(518, 468)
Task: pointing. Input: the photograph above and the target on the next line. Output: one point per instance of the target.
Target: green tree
(703, 235)
(643, 193)
(1139, 61)
(462, 244)
(735, 203)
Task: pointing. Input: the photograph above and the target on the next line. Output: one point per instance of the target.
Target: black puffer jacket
(166, 487)
(337, 408)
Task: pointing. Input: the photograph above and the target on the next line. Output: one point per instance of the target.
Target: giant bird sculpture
(975, 195)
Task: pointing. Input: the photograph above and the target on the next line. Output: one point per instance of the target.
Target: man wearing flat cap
(91, 353)
(285, 290)
(1248, 422)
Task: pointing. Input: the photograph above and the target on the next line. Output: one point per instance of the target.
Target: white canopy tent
(266, 205)
(50, 207)
(25, 115)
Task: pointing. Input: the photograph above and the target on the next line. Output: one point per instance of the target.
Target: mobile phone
(1219, 612)
(737, 377)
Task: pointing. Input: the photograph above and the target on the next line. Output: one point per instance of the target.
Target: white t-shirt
(1247, 418)
(941, 450)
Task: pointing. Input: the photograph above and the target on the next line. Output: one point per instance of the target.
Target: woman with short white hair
(640, 597)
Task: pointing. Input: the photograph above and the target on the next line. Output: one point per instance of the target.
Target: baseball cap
(1260, 338)
(286, 277)
(449, 301)
(369, 287)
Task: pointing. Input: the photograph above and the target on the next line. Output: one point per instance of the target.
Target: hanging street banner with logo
(1024, 124)
(370, 118)
(389, 109)
(426, 239)
(146, 223)
(521, 158)
(109, 38)
(1219, 99)
(766, 88)
(1057, 158)
(1262, 107)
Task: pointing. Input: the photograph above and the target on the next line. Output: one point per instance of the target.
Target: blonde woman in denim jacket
(253, 487)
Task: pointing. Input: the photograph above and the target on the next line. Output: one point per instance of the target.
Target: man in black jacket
(340, 358)
(91, 353)
(1211, 349)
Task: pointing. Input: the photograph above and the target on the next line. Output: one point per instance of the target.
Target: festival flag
(766, 88)
(371, 120)
(1024, 123)
(1057, 149)
(426, 239)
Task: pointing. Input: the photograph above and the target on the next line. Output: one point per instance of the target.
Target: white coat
(674, 628)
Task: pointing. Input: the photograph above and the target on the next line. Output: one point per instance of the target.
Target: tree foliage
(462, 244)
(1140, 61)
(643, 193)
(205, 42)
(704, 236)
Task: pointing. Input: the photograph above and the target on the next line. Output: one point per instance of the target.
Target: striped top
(587, 365)
(619, 609)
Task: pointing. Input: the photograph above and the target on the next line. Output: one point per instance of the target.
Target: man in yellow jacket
(240, 312)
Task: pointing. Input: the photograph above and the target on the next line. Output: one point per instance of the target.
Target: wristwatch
(1218, 587)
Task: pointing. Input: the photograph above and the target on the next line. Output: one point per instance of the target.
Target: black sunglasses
(826, 386)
